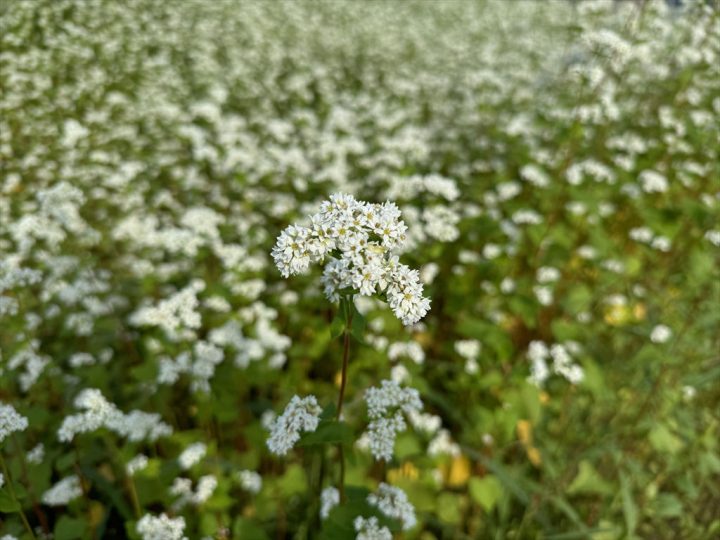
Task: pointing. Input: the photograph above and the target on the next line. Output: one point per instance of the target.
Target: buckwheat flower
(63, 492)
(136, 464)
(37, 454)
(713, 236)
(653, 182)
(369, 529)
(301, 414)
(329, 499)
(192, 455)
(162, 527)
(205, 488)
(660, 334)
(385, 407)
(250, 481)
(393, 502)
(8, 537)
(547, 274)
(2, 480)
(10, 421)
(355, 240)
(468, 348)
(442, 444)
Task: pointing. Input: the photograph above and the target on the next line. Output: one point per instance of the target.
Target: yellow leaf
(524, 431)
(533, 455)
(459, 471)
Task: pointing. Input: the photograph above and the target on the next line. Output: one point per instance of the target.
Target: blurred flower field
(336, 269)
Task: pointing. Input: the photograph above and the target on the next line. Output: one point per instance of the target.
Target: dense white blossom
(63, 492)
(301, 414)
(161, 527)
(99, 412)
(192, 455)
(393, 502)
(370, 529)
(329, 499)
(250, 481)
(10, 421)
(357, 239)
(386, 405)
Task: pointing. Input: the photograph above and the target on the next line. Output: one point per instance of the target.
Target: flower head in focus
(357, 240)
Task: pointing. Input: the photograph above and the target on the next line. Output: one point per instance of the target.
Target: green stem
(346, 305)
(8, 478)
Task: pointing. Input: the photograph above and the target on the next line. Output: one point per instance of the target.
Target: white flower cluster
(329, 499)
(250, 481)
(63, 492)
(98, 412)
(182, 488)
(660, 334)
(192, 455)
(162, 527)
(136, 464)
(393, 502)
(177, 315)
(370, 529)
(10, 421)
(358, 238)
(301, 414)
(386, 405)
(200, 365)
(562, 363)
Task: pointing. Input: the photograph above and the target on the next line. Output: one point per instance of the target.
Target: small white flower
(393, 502)
(136, 464)
(162, 527)
(192, 455)
(63, 492)
(660, 334)
(250, 481)
(369, 529)
(301, 414)
(329, 499)
(10, 421)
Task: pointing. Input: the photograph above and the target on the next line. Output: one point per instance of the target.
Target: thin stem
(26, 478)
(346, 305)
(346, 355)
(14, 498)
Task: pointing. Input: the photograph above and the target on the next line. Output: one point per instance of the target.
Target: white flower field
(376, 269)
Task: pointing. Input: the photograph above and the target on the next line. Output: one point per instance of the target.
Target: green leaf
(7, 504)
(486, 491)
(337, 326)
(244, 529)
(68, 528)
(588, 480)
(628, 505)
(329, 432)
(357, 327)
(664, 441)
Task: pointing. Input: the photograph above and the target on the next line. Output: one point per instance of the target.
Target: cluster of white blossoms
(250, 481)
(63, 492)
(370, 529)
(562, 363)
(358, 239)
(162, 527)
(136, 464)
(192, 455)
(393, 502)
(98, 412)
(182, 488)
(386, 405)
(10, 421)
(329, 499)
(301, 414)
